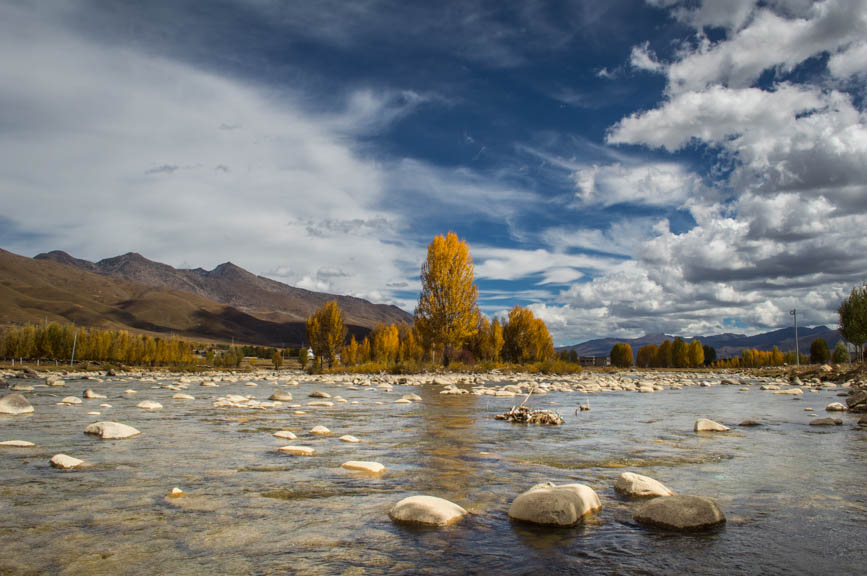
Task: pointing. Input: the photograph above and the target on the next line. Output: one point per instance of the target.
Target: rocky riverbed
(287, 472)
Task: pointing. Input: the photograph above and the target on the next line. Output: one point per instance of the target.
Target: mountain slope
(726, 345)
(231, 285)
(67, 290)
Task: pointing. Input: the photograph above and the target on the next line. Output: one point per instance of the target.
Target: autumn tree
(446, 314)
(350, 352)
(277, 360)
(709, 354)
(386, 343)
(664, 355)
(526, 338)
(819, 352)
(696, 354)
(326, 332)
(646, 356)
(841, 353)
(853, 318)
(621, 355)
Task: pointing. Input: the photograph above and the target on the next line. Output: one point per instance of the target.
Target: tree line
(448, 326)
(669, 354)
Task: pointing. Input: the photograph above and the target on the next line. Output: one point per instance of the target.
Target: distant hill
(726, 345)
(133, 292)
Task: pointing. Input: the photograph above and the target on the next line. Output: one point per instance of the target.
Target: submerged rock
(638, 486)
(428, 510)
(552, 505)
(826, 422)
(371, 467)
(15, 404)
(705, 425)
(65, 462)
(750, 422)
(682, 513)
(111, 430)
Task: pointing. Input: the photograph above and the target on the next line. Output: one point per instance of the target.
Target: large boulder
(428, 510)
(857, 402)
(705, 425)
(111, 430)
(15, 404)
(552, 505)
(683, 513)
(638, 486)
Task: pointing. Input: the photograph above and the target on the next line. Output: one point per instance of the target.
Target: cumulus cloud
(653, 184)
(643, 58)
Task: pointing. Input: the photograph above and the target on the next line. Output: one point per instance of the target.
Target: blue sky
(621, 167)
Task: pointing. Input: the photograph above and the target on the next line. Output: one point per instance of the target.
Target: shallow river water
(795, 496)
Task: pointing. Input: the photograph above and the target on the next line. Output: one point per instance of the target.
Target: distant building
(594, 361)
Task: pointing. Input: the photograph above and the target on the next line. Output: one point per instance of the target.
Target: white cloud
(652, 184)
(513, 264)
(850, 62)
(643, 58)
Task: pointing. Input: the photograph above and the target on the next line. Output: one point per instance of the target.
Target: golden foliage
(526, 338)
(326, 332)
(447, 314)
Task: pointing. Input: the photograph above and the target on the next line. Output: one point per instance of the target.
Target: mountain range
(726, 345)
(132, 292)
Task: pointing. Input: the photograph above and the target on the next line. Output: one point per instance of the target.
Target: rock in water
(149, 405)
(835, 407)
(65, 462)
(111, 430)
(371, 467)
(350, 439)
(71, 401)
(321, 430)
(285, 434)
(17, 444)
(298, 450)
(681, 513)
(428, 510)
(182, 396)
(750, 422)
(280, 396)
(826, 422)
(523, 415)
(862, 421)
(638, 486)
(91, 395)
(552, 505)
(705, 425)
(176, 493)
(857, 402)
(15, 404)
(318, 394)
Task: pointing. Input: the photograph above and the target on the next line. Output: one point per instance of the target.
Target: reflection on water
(794, 495)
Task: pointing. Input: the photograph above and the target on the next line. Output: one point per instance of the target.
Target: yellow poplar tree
(446, 315)
(326, 332)
(696, 354)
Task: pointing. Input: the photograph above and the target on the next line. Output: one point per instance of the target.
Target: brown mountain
(133, 292)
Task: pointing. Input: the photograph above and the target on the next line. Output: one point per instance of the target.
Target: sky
(622, 167)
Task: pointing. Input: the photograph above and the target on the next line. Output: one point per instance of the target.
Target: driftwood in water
(523, 415)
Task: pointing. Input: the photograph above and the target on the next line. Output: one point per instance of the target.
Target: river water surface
(795, 496)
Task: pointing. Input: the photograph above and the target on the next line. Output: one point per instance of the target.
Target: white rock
(298, 450)
(321, 430)
(149, 405)
(350, 439)
(176, 493)
(130, 391)
(280, 396)
(182, 396)
(835, 407)
(318, 394)
(402, 401)
(17, 443)
(638, 486)
(91, 395)
(428, 510)
(15, 404)
(93, 413)
(705, 425)
(285, 434)
(65, 462)
(552, 505)
(111, 430)
(71, 401)
(372, 467)
(411, 397)
(790, 392)
(105, 405)
(320, 403)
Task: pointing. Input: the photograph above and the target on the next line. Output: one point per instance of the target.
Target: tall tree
(696, 354)
(326, 332)
(819, 352)
(621, 355)
(853, 318)
(526, 338)
(841, 353)
(447, 314)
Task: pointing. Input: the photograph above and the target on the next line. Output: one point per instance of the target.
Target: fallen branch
(523, 415)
